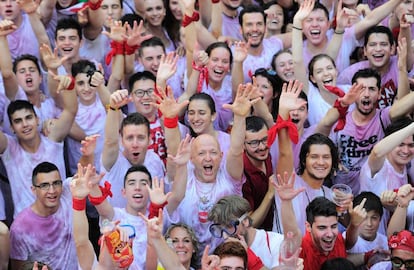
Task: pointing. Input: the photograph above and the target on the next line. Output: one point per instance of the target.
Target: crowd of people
(198, 134)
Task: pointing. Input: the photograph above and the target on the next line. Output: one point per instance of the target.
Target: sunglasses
(217, 229)
(398, 262)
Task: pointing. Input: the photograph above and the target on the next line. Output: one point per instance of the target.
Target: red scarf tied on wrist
(280, 123)
(342, 110)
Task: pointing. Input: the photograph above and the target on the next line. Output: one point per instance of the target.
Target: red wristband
(106, 191)
(116, 49)
(202, 77)
(281, 123)
(154, 208)
(187, 19)
(171, 122)
(95, 6)
(130, 49)
(342, 115)
(78, 204)
(253, 261)
(71, 86)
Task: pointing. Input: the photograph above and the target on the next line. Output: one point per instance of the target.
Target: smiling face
(135, 192)
(368, 99)
(318, 163)
(261, 152)
(182, 244)
(28, 76)
(176, 9)
(200, 117)
(324, 72)
(253, 28)
(68, 42)
(135, 141)
(274, 20)
(265, 87)
(324, 232)
(47, 200)
(315, 27)
(284, 66)
(401, 155)
(206, 157)
(218, 64)
(142, 104)
(378, 50)
(154, 12)
(86, 93)
(24, 124)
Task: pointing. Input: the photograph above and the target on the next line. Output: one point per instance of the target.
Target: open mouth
(328, 81)
(218, 71)
(208, 169)
(137, 196)
(67, 50)
(135, 154)
(315, 33)
(29, 82)
(295, 121)
(378, 57)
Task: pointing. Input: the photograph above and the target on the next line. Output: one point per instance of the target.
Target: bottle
(288, 252)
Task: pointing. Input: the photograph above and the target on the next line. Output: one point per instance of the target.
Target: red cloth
(313, 258)
(280, 123)
(116, 48)
(105, 190)
(342, 110)
(256, 186)
(187, 19)
(203, 76)
(404, 240)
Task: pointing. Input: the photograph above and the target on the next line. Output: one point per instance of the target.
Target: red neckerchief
(313, 258)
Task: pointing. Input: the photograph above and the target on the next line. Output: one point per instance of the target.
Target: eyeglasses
(140, 93)
(46, 186)
(217, 229)
(260, 71)
(398, 263)
(256, 143)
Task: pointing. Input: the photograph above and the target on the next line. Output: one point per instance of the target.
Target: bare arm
(357, 214)
(5, 244)
(398, 219)
(216, 19)
(6, 63)
(46, 9)
(260, 213)
(405, 33)
(237, 76)
(382, 148)
(95, 23)
(403, 82)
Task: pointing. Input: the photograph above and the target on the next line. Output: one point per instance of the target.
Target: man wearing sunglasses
(43, 231)
(401, 245)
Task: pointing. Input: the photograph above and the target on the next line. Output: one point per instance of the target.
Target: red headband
(403, 240)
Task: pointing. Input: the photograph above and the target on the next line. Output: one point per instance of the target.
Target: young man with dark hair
(43, 231)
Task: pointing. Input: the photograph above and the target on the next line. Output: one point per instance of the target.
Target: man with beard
(364, 126)
(258, 168)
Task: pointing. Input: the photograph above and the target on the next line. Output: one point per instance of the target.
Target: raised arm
(62, 125)
(402, 107)
(398, 219)
(6, 63)
(112, 123)
(403, 82)
(382, 148)
(375, 17)
(357, 214)
(96, 20)
(297, 42)
(241, 109)
(259, 215)
(405, 33)
(166, 69)
(98, 81)
(239, 55)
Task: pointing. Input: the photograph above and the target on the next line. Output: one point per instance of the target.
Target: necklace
(307, 195)
(204, 195)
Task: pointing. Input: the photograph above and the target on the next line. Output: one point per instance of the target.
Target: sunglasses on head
(398, 262)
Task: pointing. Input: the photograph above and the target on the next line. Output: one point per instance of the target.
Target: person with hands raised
(402, 217)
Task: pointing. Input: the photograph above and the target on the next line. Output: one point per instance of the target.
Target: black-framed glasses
(140, 93)
(217, 229)
(46, 186)
(256, 143)
(398, 262)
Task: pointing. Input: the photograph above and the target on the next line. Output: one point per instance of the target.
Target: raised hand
(304, 10)
(285, 186)
(183, 152)
(240, 51)
(352, 95)
(83, 16)
(7, 27)
(89, 145)
(168, 66)
(51, 59)
(135, 35)
(404, 195)
(243, 100)
(119, 98)
(117, 33)
(79, 185)
(358, 213)
(64, 81)
(154, 226)
(209, 262)
(402, 54)
(98, 78)
(167, 104)
(288, 100)
(36, 266)
(388, 198)
(200, 58)
(28, 6)
(156, 192)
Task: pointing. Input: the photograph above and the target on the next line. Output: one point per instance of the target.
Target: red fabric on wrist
(202, 77)
(342, 115)
(116, 48)
(253, 261)
(368, 255)
(215, 1)
(335, 90)
(171, 122)
(106, 191)
(187, 19)
(130, 49)
(95, 6)
(280, 123)
(153, 209)
(78, 204)
(71, 86)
